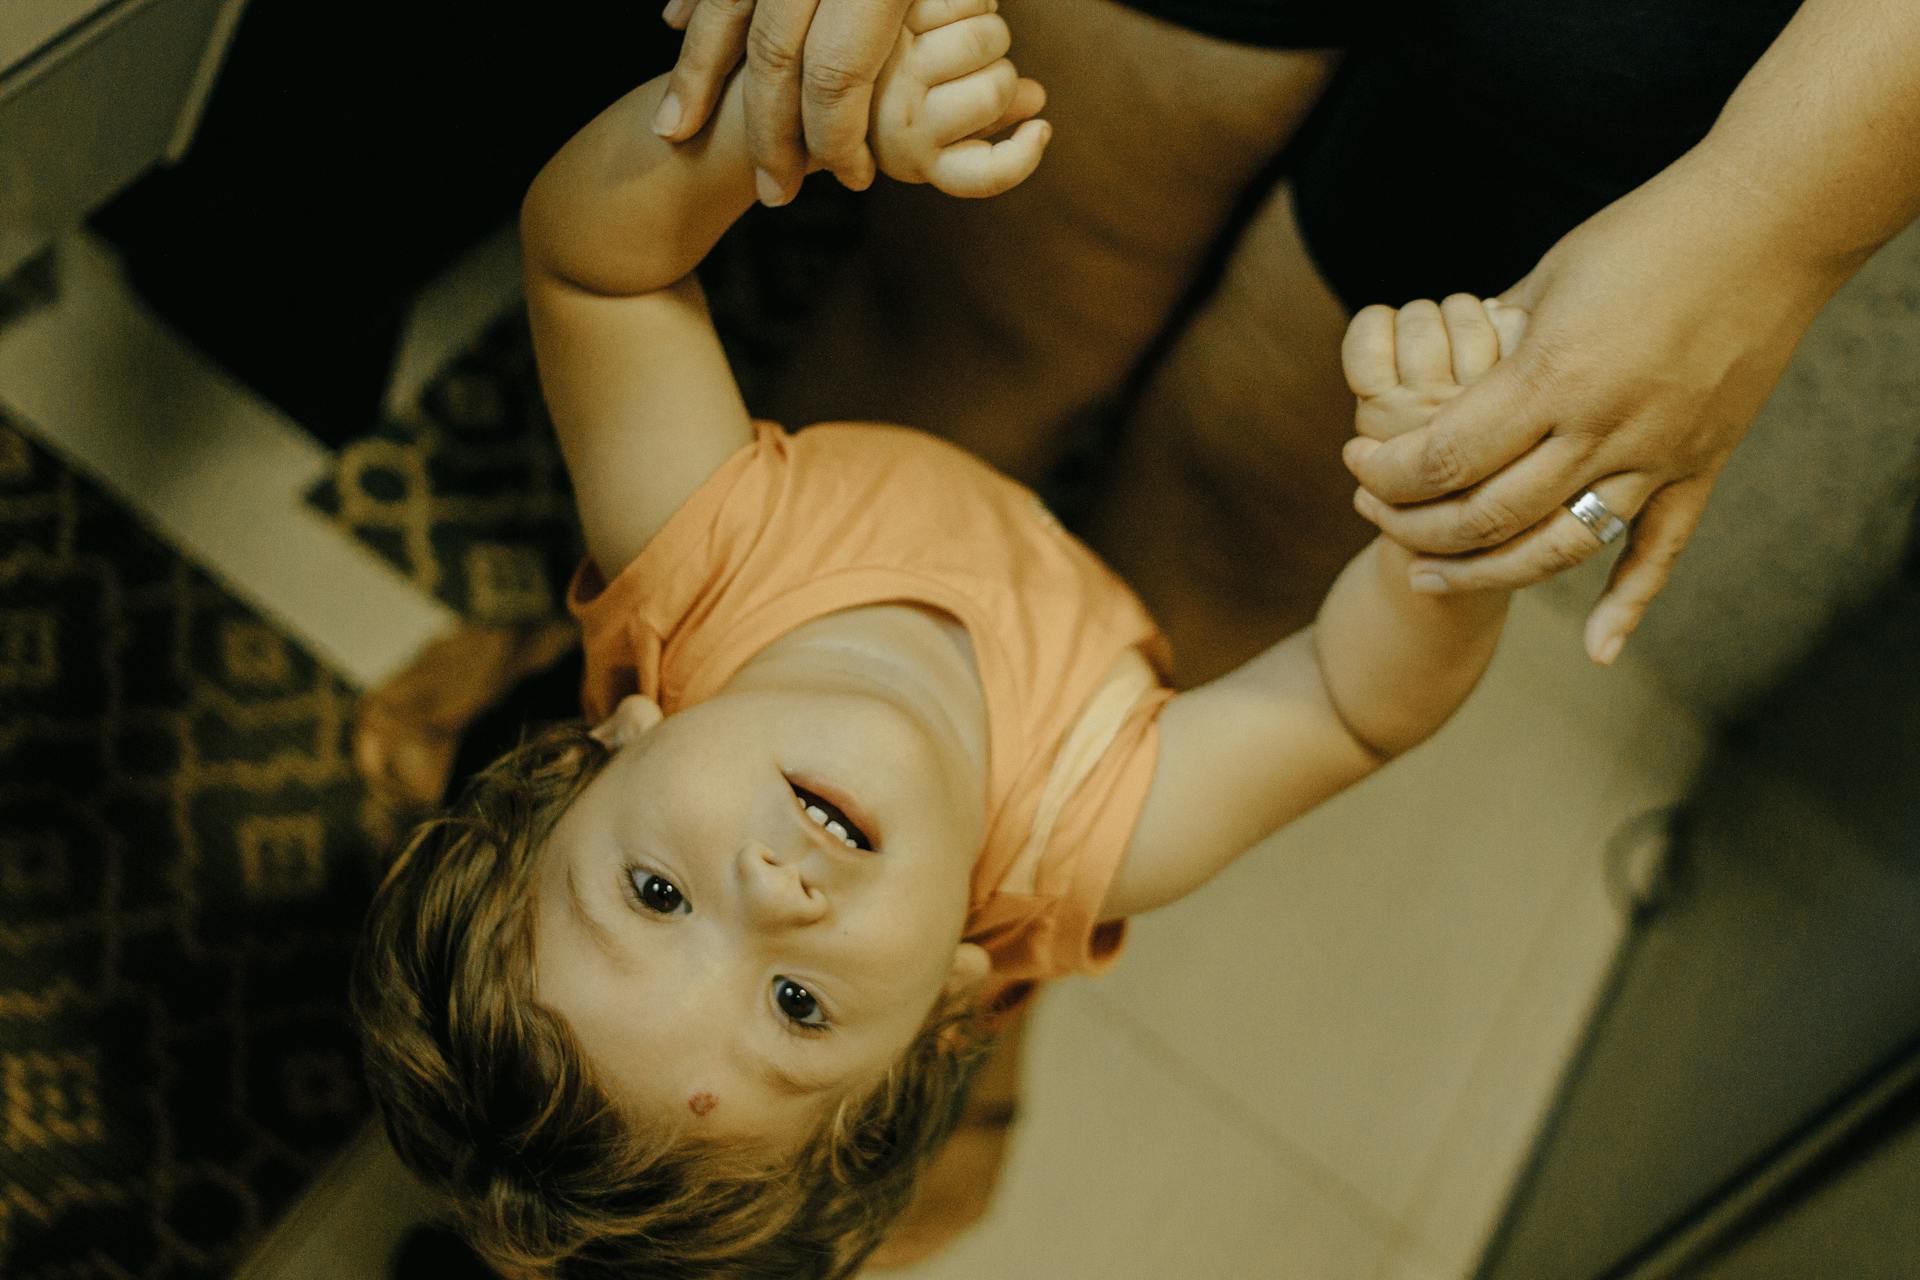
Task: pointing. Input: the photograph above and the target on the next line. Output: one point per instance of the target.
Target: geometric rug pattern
(184, 859)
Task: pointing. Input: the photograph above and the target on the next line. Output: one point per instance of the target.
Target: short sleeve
(631, 627)
(1090, 841)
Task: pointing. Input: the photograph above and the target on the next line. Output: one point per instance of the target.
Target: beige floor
(1328, 1065)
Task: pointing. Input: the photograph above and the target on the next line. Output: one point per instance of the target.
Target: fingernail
(1358, 450)
(666, 119)
(770, 192)
(1427, 582)
(672, 13)
(1609, 650)
(1361, 501)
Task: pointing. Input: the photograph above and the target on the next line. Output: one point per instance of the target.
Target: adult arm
(1662, 323)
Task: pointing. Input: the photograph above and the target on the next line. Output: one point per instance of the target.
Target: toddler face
(750, 911)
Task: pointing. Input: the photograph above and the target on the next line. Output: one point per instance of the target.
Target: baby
(875, 747)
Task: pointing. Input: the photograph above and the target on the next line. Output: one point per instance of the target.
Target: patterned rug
(183, 863)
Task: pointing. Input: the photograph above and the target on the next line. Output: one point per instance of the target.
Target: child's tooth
(837, 829)
(818, 814)
(848, 841)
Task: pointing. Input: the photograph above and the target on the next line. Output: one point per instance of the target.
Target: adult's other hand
(1659, 327)
(810, 70)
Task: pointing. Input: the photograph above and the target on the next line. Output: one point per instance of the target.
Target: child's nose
(776, 890)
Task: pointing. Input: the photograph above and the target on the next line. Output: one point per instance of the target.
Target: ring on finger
(1590, 510)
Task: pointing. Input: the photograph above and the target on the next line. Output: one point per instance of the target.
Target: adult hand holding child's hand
(811, 67)
(1658, 330)
(929, 77)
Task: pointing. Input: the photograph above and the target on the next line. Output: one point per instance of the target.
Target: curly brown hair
(486, 1095)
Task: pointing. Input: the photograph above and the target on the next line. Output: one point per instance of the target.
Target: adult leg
(1229, 510)
(998, 323)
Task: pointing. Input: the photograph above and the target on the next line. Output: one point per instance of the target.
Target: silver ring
(1593, 513)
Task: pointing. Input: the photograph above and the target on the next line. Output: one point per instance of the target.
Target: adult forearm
(619, 211)
(1397, 663)
(1822, 137)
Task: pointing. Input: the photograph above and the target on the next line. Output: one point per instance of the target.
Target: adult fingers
(977, 168)
(776, 43)
(1477, 433)
(1662, 528)
(961, 108)
(847, 45)
(716, 37)
(1485, 514)
(1556, 544)
(960, 48)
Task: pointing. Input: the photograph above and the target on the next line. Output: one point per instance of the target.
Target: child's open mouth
(832, 817)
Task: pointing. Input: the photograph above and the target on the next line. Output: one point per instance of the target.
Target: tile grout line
(1225, 1104)
(1404, 1237)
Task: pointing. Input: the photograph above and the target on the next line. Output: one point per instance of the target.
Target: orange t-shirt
(796, 526)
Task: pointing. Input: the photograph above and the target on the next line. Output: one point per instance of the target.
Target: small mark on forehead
(702, 1102)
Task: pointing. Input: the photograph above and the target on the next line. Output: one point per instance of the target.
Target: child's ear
(970, 969)
(635, 714)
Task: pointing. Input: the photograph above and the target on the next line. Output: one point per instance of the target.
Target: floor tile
(1345, 979)
(1490, 1127)
(1407, 1264)
(1124, 1170)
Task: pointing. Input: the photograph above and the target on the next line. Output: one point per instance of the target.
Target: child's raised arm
(641, 396)
(1379, 670)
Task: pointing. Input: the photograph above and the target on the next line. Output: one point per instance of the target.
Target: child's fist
(945, 91)
(1404, 363)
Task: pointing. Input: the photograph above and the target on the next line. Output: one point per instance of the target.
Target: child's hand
(1404, 363)
(948, 88)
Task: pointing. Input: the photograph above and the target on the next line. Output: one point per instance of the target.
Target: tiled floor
(1328, 1065)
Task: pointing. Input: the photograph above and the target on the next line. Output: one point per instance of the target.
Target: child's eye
(798, 1004)
(658, 894)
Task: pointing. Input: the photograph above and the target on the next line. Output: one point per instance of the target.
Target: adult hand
(810, 70)
(1659, 327)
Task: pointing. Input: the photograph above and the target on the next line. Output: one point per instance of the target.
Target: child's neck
(920, 656)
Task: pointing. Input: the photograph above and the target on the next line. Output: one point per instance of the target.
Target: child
(875, 745)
